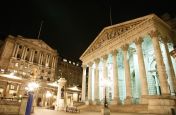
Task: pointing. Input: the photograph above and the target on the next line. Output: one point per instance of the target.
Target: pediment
(112, 32)
(39, 43)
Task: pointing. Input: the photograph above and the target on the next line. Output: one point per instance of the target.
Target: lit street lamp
(31, 87)
(105, 110)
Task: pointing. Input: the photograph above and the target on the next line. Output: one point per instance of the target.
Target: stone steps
(116, 108)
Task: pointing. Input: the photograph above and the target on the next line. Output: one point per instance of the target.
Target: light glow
(32, 86)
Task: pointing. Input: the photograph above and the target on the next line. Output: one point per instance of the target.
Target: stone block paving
(42, 111)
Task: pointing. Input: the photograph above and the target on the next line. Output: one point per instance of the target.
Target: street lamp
(31, 87)
(105, 110)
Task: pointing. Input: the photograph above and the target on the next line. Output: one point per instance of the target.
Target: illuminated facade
(131, 60)
(23, 59)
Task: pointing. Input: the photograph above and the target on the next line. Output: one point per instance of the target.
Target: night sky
(71, 25)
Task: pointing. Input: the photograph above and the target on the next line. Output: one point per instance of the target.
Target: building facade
(131, 63)
(23, 60)
(72, 72)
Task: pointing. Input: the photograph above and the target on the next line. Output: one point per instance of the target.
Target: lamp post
(31, 87)
(105, 110)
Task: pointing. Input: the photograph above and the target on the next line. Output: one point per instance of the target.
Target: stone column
(160, 64)
(171, 73)
(61, 95)
(49, 58)
(115, 78)
(39, 59)
(142, 71)
(127, 75)
(23, 52)
(14, 50)
(18, 88)
(90, 84)
(96, 82)
(83, 98)
(30, 58)
(7, 90)
(105, 73)
(46, 61)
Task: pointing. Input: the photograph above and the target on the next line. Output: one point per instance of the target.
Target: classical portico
(133, 58)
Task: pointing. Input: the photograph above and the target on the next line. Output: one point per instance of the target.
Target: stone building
(130, 63)
(72, 72)
(23, 60)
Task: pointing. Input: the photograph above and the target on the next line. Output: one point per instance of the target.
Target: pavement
(42, 111)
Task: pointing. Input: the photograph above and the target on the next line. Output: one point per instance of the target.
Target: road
(42, 111)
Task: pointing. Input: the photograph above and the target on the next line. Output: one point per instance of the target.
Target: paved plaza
(41, 111)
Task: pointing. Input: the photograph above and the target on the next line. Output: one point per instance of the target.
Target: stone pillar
(160, 64)
(23, 105)
(7, 90)
(90, 84)
(142, 71)
(115, 78)
(96, 82)
(39, 59)
(49, 58)
(23, 52)
(171, 73)
(14, 50)
(127, 75)
(61, 95)
(18, 88)
(83, 98)
(105, 73)
(30, 58)
(46, 61)
(33, 56)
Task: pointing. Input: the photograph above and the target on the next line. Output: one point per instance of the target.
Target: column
(96, 82)
(52, 62)
(14, 50)
(115, 77)
(171, 73)
(18, 89)
(49, 58)
(30, 58)
(90, 83)
(127, 75)
(46, 61)
(39, 59)
(33, 55)
(160, 64)
(83, 84)
(23, 52)
(105, 73)
(142, 71)
(7, 90)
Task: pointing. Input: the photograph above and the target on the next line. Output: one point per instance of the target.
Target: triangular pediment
(39, 43)
(112, 32)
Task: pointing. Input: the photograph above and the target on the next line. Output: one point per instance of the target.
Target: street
(42, 111)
